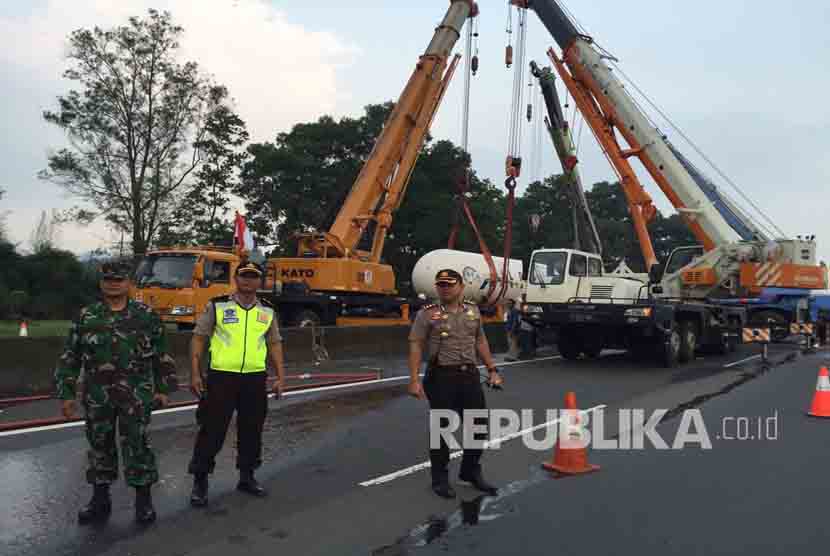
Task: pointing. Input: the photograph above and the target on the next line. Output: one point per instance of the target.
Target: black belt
(468, 367)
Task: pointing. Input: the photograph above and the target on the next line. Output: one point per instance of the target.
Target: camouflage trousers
(131, 421)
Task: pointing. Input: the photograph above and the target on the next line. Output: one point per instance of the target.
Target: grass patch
(37, 329)
(46, 328)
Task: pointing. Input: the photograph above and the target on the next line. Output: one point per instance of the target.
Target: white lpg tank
(473, 267)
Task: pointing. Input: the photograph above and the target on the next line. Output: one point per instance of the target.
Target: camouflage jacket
(127, 348)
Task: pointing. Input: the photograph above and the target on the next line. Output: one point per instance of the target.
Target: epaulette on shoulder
(221, 298)
(430, 306)
(266, 302)
(466, 302)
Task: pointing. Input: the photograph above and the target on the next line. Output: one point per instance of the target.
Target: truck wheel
(778, 323)
(306, 318)
(688, 342)
(569, 346)
(592, 349)
(670, 349)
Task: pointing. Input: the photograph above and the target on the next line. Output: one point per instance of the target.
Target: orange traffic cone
(24, 329)
(570, 460)
(821, 400)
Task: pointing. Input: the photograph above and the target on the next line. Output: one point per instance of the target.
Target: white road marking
(741, 361)
(287, 394)
(523, 361)
(457, 454)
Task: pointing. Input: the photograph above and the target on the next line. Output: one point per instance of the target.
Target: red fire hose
(336, 380)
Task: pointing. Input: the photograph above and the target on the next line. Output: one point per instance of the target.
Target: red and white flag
(242, 237)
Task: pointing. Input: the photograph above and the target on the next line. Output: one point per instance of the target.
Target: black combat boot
(443, 489)
(199, 495)
(144, 511)
(99, 508)
(441, 484)
(247, 483)
(475, 478)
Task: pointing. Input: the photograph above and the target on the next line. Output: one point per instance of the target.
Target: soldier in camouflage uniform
(120, 346)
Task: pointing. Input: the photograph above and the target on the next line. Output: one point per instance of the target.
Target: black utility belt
(240, 373)
(466, 368)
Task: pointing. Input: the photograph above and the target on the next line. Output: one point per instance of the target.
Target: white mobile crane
(684, 304)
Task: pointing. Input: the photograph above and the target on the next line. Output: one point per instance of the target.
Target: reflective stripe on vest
(238, 344)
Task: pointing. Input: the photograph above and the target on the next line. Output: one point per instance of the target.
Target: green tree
(203, 216)
(2, 217)
(137, 124)
(549, 201)
(298, 182)
(10, 276)
(57, 284)
(44, 234)
(667, 234)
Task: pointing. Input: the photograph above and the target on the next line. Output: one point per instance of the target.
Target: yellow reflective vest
(239, 343)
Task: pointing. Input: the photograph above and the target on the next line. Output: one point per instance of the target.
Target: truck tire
(569, 346)
(688, 341)
(780, 325)
(306, 318)
(592, 349)
(670, 349)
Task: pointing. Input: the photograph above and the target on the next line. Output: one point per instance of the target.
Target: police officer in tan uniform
(452, 335)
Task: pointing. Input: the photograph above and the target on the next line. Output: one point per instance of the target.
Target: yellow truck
(178, 282)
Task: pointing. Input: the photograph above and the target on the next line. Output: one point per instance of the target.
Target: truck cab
(178, 283)
(566, 276)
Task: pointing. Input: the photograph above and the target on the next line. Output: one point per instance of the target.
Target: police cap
(115, 271)
(249, 267)
(448, 276)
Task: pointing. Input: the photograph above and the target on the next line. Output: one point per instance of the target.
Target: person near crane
(511, 328)
(452, 334)
(244, 335)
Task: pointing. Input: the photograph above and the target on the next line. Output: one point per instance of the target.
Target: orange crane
(331, 277)
(381, 185)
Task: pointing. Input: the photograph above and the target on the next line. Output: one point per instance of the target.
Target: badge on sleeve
(262, 317)
(230, 316)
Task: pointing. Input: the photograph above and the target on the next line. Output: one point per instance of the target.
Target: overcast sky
(746, 79)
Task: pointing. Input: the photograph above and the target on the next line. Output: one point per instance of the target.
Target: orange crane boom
(382, 182)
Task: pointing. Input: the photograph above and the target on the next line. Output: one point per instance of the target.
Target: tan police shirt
(453, 335)
(206, 322)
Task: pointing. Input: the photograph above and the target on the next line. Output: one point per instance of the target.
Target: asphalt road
(321, 446)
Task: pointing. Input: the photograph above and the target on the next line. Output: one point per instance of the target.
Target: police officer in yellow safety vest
(243, 334)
